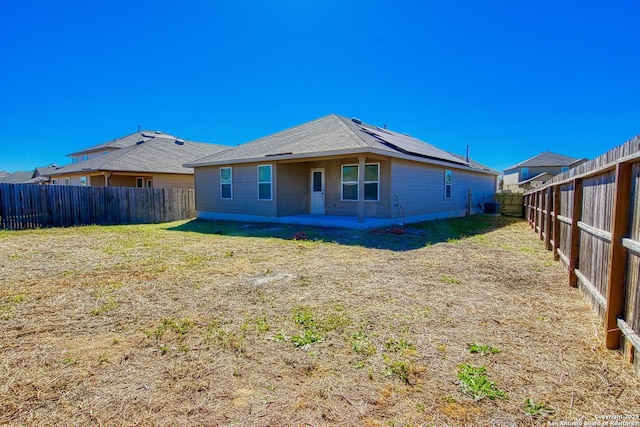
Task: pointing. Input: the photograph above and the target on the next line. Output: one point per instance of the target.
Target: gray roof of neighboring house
(546, 159)
(19, 177)
(125, 141)
(335, 135)
(537, 177)
(161, 154)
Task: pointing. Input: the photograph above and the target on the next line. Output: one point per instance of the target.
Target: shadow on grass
(409, 237)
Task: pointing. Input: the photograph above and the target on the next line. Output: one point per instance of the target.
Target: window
(524, 173)
(148, 183)
(85, 157)
(565, 168)
(371, 182)
(139, 182)
(54, 181)
(74, 160)
(105, 152)
(371, 175)
(350, 182)
(264, 182)
(83, 181)
(67, 181)
(226, 190)
(448, 179)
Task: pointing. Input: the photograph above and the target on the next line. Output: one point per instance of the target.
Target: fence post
(576, 215)
(547, 225)
(617, 255)
(556, 223)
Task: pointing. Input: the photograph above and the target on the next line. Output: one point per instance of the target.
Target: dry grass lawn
(196, 323)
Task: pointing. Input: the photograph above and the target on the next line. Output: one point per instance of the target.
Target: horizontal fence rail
(27, 206)
(590, 218)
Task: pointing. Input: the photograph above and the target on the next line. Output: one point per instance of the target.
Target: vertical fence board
(618, 254)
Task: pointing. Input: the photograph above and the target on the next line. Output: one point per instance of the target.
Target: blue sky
(509, 78)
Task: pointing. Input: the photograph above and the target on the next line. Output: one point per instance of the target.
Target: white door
(317, 191)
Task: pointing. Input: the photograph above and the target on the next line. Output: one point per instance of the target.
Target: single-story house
(142, 159)
(536, 171)
(336, 171)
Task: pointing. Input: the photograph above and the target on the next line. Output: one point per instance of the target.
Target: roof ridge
(355, 136)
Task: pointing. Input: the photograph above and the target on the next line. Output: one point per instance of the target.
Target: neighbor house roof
(19, 177)
(160, 154)
(336, 135)
(125, 141)
(538, 177)
(546, 159)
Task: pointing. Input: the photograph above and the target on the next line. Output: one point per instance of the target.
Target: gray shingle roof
(19, 177)
(546, 159)
(125, 141)
(161, 154)
(334, 135)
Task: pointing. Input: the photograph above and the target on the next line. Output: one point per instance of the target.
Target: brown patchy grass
(219, 324)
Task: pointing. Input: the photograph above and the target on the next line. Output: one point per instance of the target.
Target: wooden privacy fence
(24, 206)
(590, 218)
(511, 204)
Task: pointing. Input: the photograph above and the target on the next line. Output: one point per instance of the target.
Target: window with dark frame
(448, 179)
(349, 182)
(264, 182)
(226, 190)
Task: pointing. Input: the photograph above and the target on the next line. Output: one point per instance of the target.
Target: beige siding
(421, 188)
(293, 188)
(170, 181)
(122, 181)
(244, 191)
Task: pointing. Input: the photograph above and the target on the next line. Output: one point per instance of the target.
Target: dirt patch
(219, 323)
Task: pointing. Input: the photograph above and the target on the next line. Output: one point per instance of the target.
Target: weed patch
(475, 383)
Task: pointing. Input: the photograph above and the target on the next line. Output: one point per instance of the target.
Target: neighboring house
(336, 171)
(39, 175)
(536, 171)
(142, 159)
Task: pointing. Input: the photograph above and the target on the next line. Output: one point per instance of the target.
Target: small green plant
(475, 383)
(109, 304)
(450, 280)
(262, 325)
(280, 336)
(483, 349)
(163, 349)
(179, 326)
(17, 299)
(303, 316)
(306, 338)
(400, 346)
(536, 410)
(404, 369)
(360, 344)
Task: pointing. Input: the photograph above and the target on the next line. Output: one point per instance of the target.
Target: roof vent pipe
(356, 121)
(467, 153)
